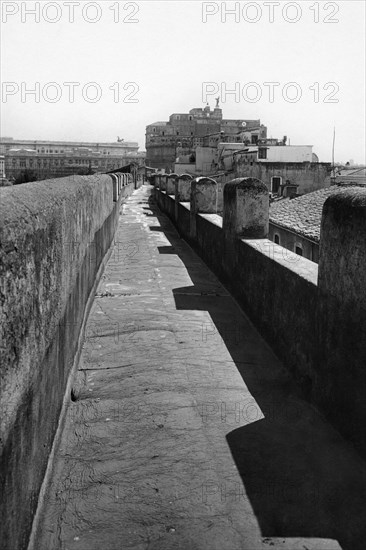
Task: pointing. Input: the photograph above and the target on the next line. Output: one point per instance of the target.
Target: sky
(105, 69)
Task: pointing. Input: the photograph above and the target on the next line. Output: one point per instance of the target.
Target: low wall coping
(216, 219)
(300, 266)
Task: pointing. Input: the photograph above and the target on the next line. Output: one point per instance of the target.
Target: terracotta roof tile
(303, 214)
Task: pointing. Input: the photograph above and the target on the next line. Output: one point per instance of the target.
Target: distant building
(56, 158)
(280, 165)
(175, 141)
(202, 143)
(295, 223)
(117, 148)
(3, 180)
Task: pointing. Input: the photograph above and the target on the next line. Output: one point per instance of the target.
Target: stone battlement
(314, 317)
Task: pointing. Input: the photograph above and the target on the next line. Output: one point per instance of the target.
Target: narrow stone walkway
(184, 431)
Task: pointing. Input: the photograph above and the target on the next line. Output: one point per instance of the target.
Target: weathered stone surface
(342, 308)
(203, 199)
(54, 235)
(183, 187)
(204, 195)
(170, 184)
(246, 206)
(162, 182)
(184, 431)
(182, 192)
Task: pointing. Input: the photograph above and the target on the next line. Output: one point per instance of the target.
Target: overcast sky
(168, 53)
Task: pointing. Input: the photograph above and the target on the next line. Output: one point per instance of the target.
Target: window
(298, 249)
(277, 239)
(275, 183)
(262, 153)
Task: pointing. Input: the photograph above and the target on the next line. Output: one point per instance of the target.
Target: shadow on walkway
(301, 477)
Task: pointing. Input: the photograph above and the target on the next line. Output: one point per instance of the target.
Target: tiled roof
(303, 214)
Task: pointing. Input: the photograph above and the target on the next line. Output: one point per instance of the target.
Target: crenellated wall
(314, 317)
(54, 236)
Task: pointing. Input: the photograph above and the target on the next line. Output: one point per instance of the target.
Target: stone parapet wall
(314, 317)
(54, 235)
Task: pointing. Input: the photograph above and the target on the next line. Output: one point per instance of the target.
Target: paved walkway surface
(184, 431)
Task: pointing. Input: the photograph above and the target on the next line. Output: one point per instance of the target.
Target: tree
(25, 177)
(85, 171)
